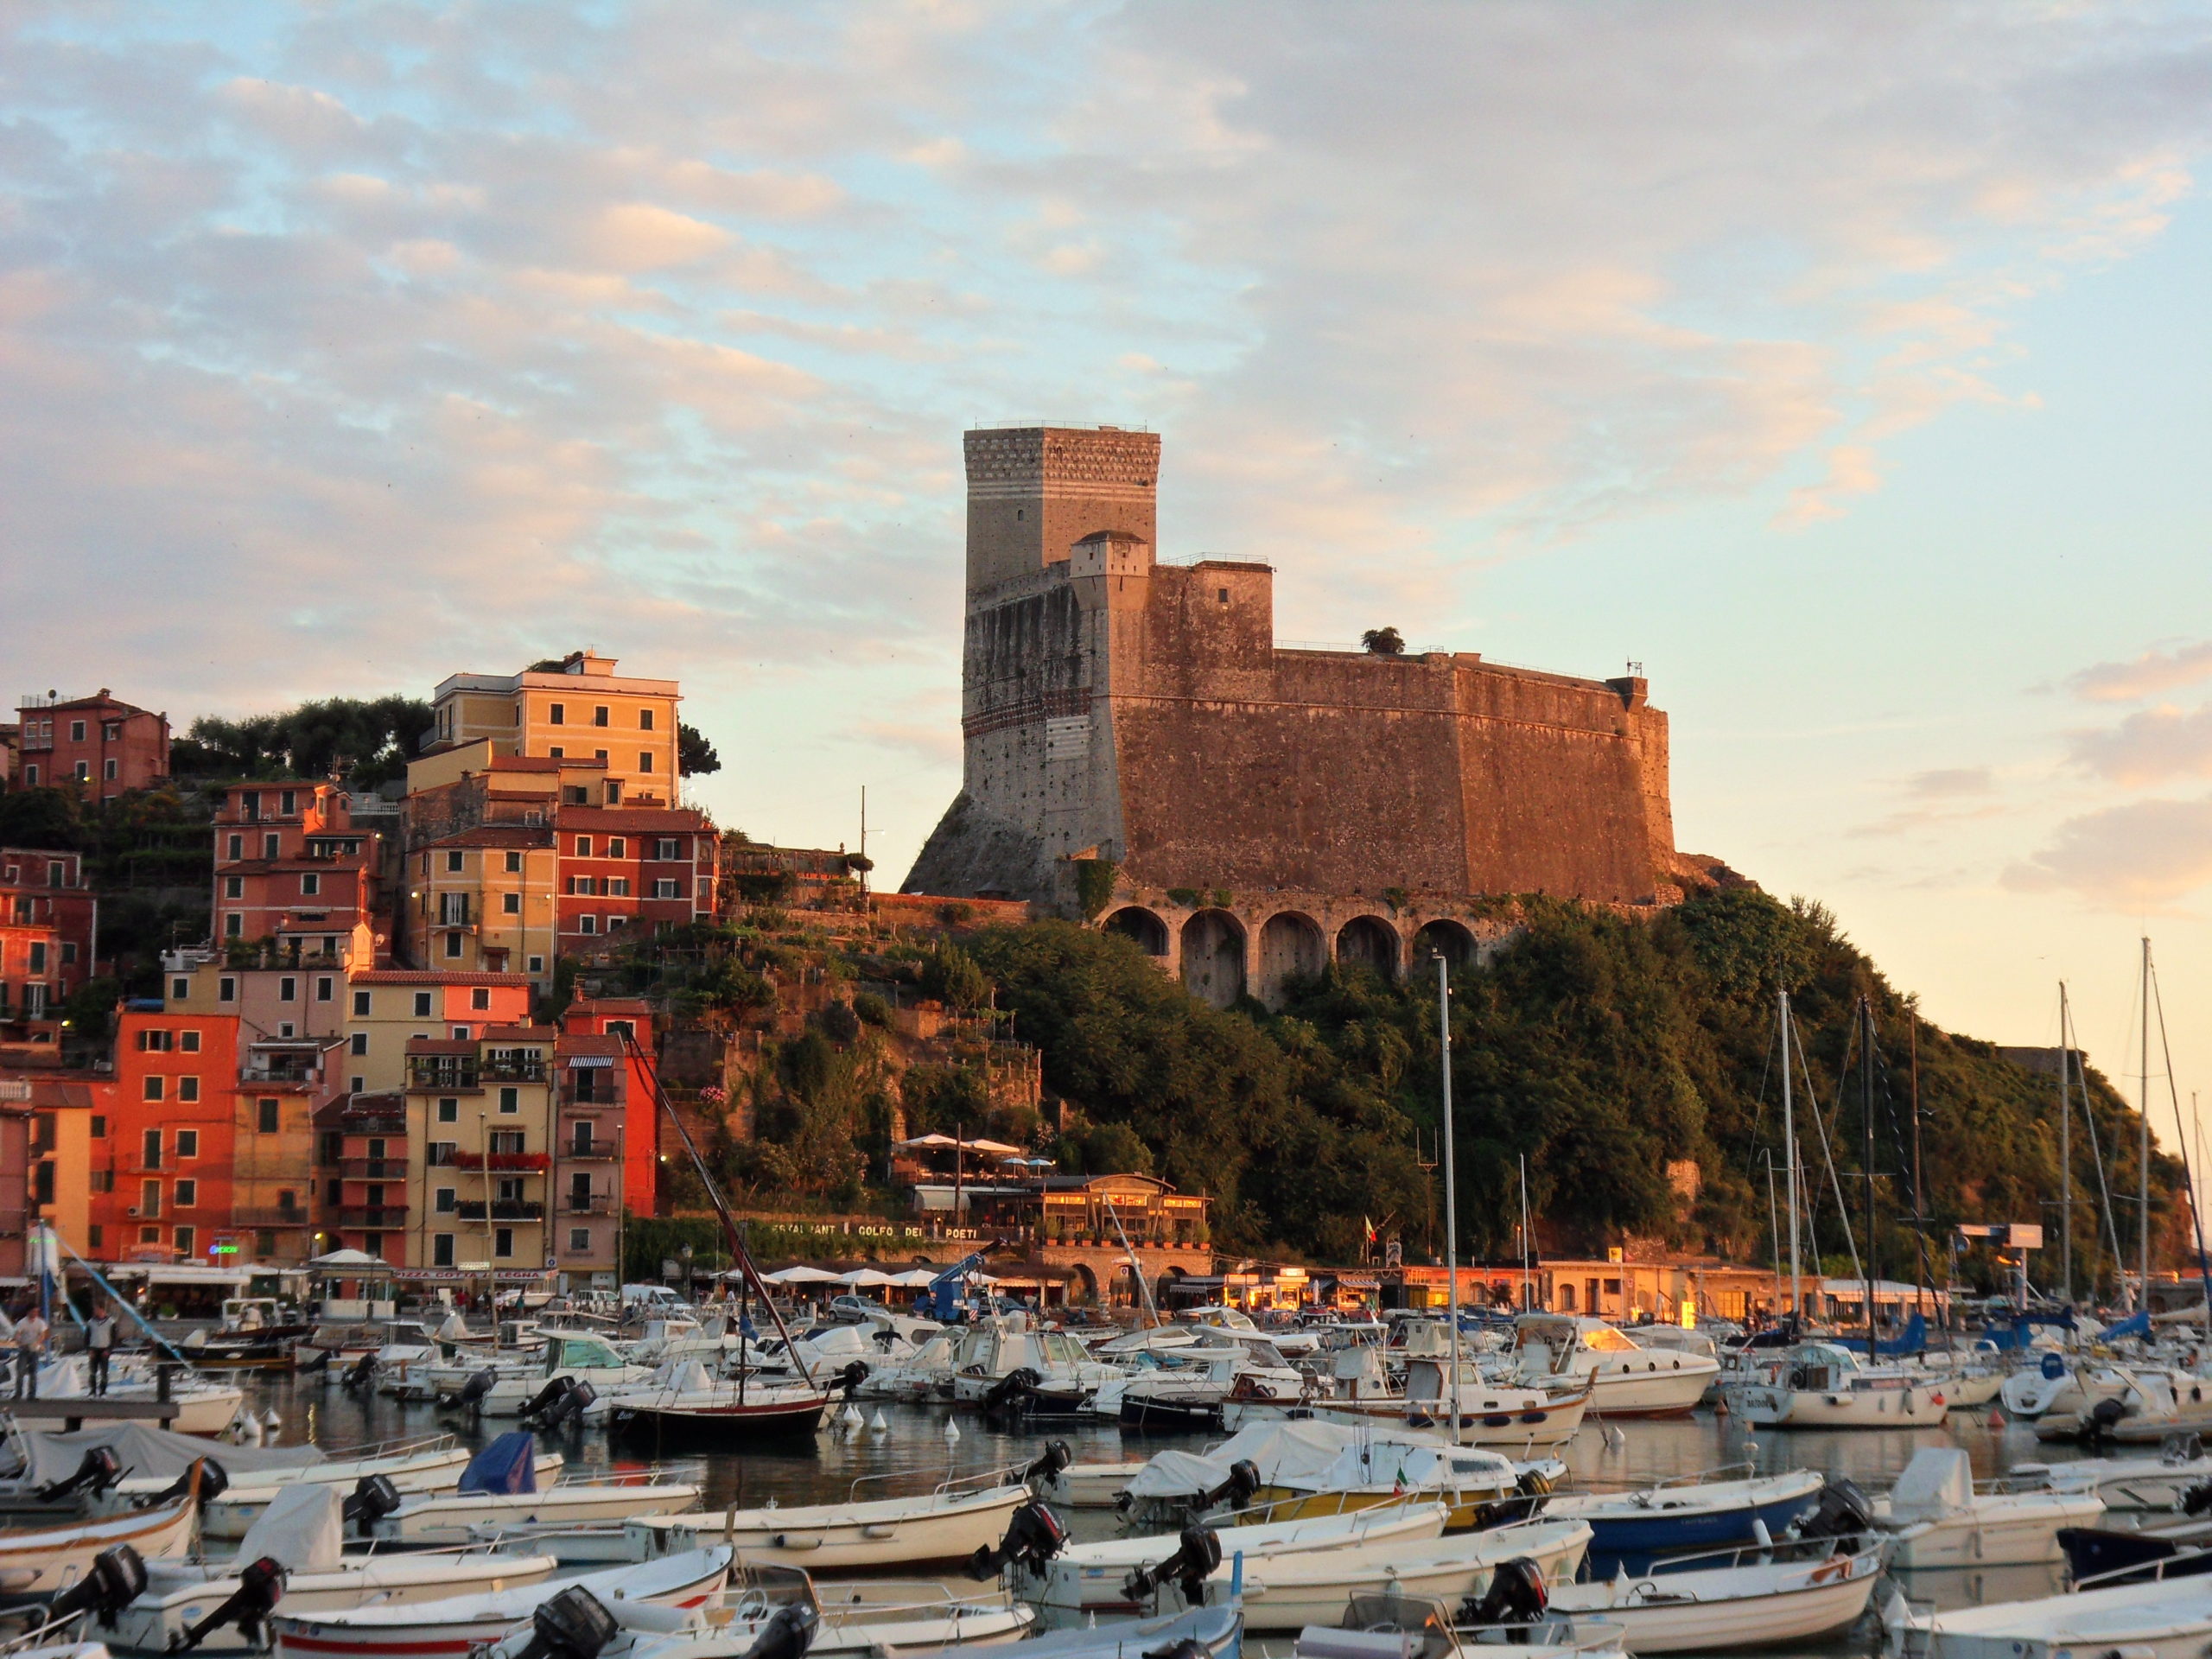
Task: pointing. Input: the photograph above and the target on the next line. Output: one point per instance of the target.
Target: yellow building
(390, 1008)
(578, 709)
(65, 1113)
(482, 901)
(480, 1129)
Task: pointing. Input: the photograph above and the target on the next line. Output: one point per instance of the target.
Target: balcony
(573, 1151)
(531, 1069)
(263, 1216)
(502, 1210)
(596, 1204)
(532, 1163)
(278, 1075)
(373, 1169)
(602, 1095)
(428, 1077)
(373, 1215)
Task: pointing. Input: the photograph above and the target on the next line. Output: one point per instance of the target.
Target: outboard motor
(249, 1606)
(1188, 1648)
(571, 1625)
(99, 1472)
(852, 1376)
(1012, 1392)
(214, 1481)
(1841, 1512)
(2102, 1418)
(373, 1497)
(1198, 1555)
(1516, 1597)
(1242, 1484)
(2195, 1499)
(114, 1580)
(471, 1397)
(788, 1635)
(2185, 1446)
(1033, 1536)
(568, 1411)
(1055, 1457)
(362, 1377)
(546, 1398)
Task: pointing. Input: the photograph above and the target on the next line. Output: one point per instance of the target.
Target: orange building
(626, 1081)
(102, 745)
(162, 1170)
(293, 865)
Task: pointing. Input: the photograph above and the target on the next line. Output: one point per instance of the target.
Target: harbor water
(915, 1453)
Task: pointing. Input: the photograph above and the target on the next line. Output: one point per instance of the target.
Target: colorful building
(577, 709)
(161, 1173)
(64, 1110)
(102, 745)
(480, 1113)
(627, 1081)
(293, 866)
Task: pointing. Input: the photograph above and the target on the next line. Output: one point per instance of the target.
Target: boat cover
(1285, 1453)
(303, 1528)
(148, 1453)
(1408, 1467)
(508, 1465)
(1937, 1482)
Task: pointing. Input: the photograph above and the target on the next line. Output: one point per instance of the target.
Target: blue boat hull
(1630, 1542)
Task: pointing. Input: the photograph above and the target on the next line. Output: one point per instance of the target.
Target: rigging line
(1843, 1210)
(1898, 1140)
(2096, 1154)
(2181, 1133)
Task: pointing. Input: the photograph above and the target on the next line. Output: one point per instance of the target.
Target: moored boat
(1734, 1599)
(1672, 1517)
(930, 1528)
(1938, 1519)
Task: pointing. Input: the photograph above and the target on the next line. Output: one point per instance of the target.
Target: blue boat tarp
(509, 1464)
(2135, 1324)
(1910, 1340)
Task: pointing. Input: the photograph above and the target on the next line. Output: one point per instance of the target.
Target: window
(154, 1089)
(358, 1082)
(226, 988)
(580, 1239)
(310, 885)
(358, 1044)
(645, 760)
(150, 1199)
(38, 956)
(185, 1238)
(360, 1005)
(30, 776)
(179, 990)
(503, 1241)
(290, 799)
(448, 1110)
(234, 887)
(188, 1088)
(272, 846)
(509, 1101)
(326, 988)
(583, 846)
(598, 714)
(264, 1244)
(152, 1149)
(453, 944)
(441, 1249)
(76, 731)
(97, 1234)
(265, 1116)
(187, 1143)
(441, 1153)
(514, 863)
(623, 1028)
(506, 1141)
(84, 771)
(558, 753)
(234, 926)
(617, 846)
(587, 923)
(645, 720)
(288, 989)
(460, 1034)
(666, 849)
(668, 889)
(447, 1200)
(599, 755)
(618, 887)
(285, 1029)
(238, 846)
(156, 1042)
(99, 1126)
(537, 964)
(108, 771)
(510, 903)
(556, 715)
(188, 1041)
(422, 1005)
(580, 884)
(187, 1194)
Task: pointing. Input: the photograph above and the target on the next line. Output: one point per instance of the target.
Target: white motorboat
(1281, 1458)
(1938, 1519)
(1407, 1627)
(1736, 1598)
(1288, 1591)
(1297, 1345)
(459, 1625)
(434, 1468)
(1086, 1485)
(944, 1526)
(2123, 1483)
(2167, 1620)
(1479, 1487)
(578, 1358)
(1625, 1380)
(301, 1532)
(1505, 1418)
(1049, 1369)
(1188, 1388)
(858, 1620)
(44, 1560)
(1820, 1385)
(2055, 1386)
(449, 1518)
(2154, 1404)
(1092, 1577)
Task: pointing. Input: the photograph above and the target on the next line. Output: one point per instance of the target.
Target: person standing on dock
(99, 1343)
(30, 1343)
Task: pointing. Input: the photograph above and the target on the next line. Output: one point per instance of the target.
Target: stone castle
(1141, 752)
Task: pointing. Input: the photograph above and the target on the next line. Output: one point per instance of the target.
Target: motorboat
(434, 1464)
(301, 1532)
(1747, 1598)
(1286, 1591)
(1086, 1485)
(1937, 1518)
(41, 1560)
(455, 1627)
(2096, 1556)
(1480, 1487)
(438, 1519)
(1297, 1345)
(931, 1529)
(917, 1379)
(577, 1357)
(203, 1407)
(683, 1402)
(1677, 1517)
(1034, 1371)
(1625, 1380)
(1822, 1385)
(1392, 1627)
(1283, 1459)
(1491, 1414)
(2164, 1620)
(861, 1620)
(125, 1465)
(2162, 1483)
(2153, 1404)
(1092, 1577)
(2052, 1385)
(1189, 1388)
(254, 1333)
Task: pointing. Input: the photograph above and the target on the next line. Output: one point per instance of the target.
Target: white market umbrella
(355, 1261)
(865, 1278)
(917, 1279)
(802, 1275)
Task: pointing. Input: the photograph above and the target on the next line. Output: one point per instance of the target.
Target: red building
(293, 865)
(162, 1170)
(48, 889)
(102, 745)
(622, 1076)
(624, 867)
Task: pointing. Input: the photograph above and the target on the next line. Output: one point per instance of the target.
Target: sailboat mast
(2143, 1164)
(1526, 1241)
(1866, 1125)
(1789, 1165)
(1451, 1187)
(1919, 1195)
(2065, 1152)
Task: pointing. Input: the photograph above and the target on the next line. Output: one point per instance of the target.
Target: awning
(154, 1273)
(585, 1062)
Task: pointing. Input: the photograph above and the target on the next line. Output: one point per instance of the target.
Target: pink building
(293, 865)
(99, 744)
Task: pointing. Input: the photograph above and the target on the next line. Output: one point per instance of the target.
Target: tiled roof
(413, 976)
(664, 820)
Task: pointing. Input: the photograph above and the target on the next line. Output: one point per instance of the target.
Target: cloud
(2151, 746)
(2144, 854)
(1949, 782)
(1936, 797)
(2145, 675)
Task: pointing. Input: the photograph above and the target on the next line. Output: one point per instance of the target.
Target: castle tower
(1034, 492)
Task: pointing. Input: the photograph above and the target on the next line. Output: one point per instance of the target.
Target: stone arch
(1451, 940)
(1135, 922)
(1292, 946)
(1166, 1282)
(1369, 942)
(1086, 1287)
(1213, 958)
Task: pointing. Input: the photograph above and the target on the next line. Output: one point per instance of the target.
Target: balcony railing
(423, 1078)
(373, 1215)
(374, 1169)
(503, 1209)
(588, 1149)
(596, 1204)
(263, 1216)
(527, 1162)
(280, 1074)
(531, 1071)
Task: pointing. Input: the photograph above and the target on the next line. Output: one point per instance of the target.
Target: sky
(1845, 365)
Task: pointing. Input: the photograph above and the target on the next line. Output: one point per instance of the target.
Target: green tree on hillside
(368, 741)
